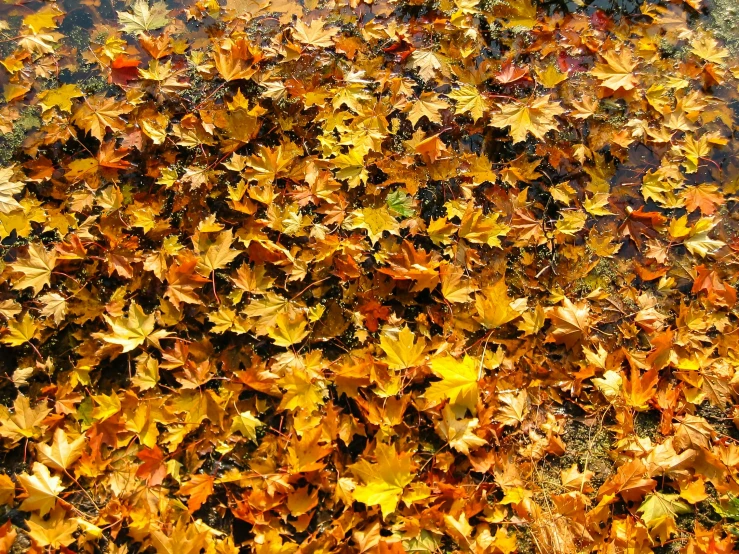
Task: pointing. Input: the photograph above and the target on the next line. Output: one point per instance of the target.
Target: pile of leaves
(384, 277)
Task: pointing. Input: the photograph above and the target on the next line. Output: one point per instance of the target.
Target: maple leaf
(494, 306)
(59, 97)
(42, 489)
(8, 188)
(402, 350)
(458, 381)
(428, 105)
(7, 495)
(431, 148)
(144, 17)
(54, 306)
(640, 388)
(426, 62)
(301, 391)
(659, 511)
(133, 331)
(246, 424)
(477, 228)
(315, 34)
(107, 406)
(288, 330)
(36, 267)
(218, 255)
(617, 72)
(708, 48)
(631, 482)
(570, 322)
(468, 100)
(412, 264)
(268, 164)
(385, 480)
(56, 532)
(573, 479)
(153, 468)
(513, 409)
(535, 116)
(699, 242)
(523, 14)
(98, 114)
(20, 332)
(198, 488)
(253, 280)
(692, 432)
(306, 453)
(459, 432)
(453, 285)
(61, 454)
(25, 422)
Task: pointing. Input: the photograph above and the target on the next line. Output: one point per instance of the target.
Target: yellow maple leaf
(428, 105)
(570, 322)
(535, 116)
(59, 97)
(305, 454)
(20, 332)
(478, 228)
(42, 489)
(454, 287)
(373, 220)
(25, 422)
(288, 330)
(55, 532)
(659, 511)
(385, 480)
(494, 306)
(402, 350)
(61, 454)
(468, 100)
(246, 424)
(133, 331)
(315, 34)
(617, 72)
(36, 267)
(458, 381)
(218, 255)
(301, 391)
(459, 432)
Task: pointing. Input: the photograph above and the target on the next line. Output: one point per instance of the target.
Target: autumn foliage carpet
(391, 277)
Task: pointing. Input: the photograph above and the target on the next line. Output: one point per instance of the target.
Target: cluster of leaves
(394, 276)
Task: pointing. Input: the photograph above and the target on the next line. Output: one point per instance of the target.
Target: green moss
(724, 20)
(11, 142)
